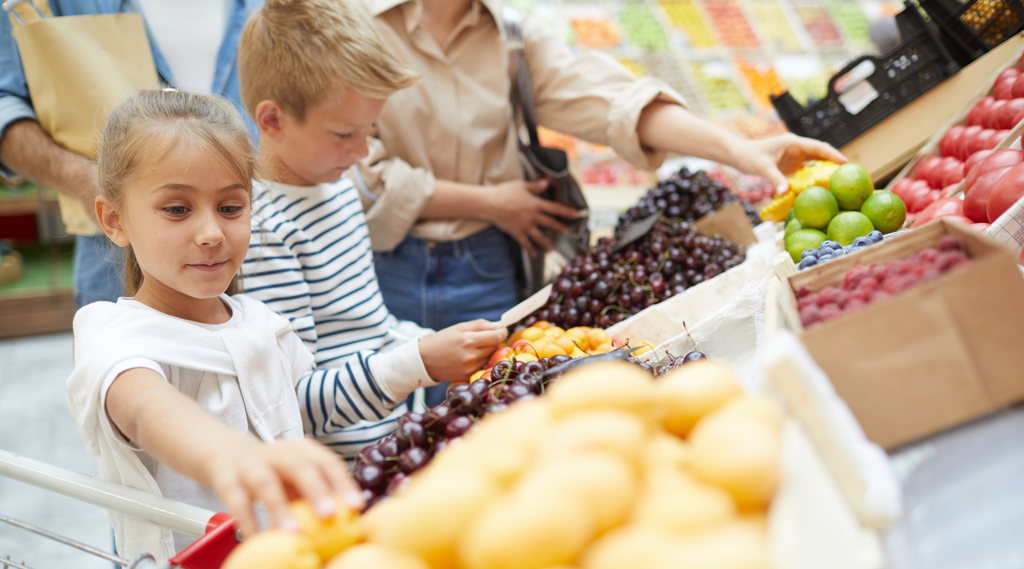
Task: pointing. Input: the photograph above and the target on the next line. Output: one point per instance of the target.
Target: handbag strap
(521, 92)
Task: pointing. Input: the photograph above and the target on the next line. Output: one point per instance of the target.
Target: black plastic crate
(908, 71)
(974, 27)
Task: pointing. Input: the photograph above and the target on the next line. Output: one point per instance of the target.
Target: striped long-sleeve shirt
(310, 260)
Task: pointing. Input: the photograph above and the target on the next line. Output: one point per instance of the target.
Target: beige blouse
(456, 123)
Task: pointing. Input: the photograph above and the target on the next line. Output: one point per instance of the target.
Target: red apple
(962, 145)
(980, 141)
(999, 159)
(974, 117)
(1003, 86)
(1004, 119)
(1018, 88)
(944, 168)
(924, 169)
(990, 114)
(901, 186)
(945, 148)
(953, 176)
(915, 193)
(1005, 192)
(974, 159)
(976, 198)
(926, 200)
(939, 208)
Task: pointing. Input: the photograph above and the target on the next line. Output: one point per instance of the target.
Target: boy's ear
(111, 221)
(269, 118)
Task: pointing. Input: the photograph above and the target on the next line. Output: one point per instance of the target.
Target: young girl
(178, 389)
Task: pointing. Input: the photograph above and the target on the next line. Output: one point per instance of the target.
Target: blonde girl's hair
(151, 122)
(295, 52)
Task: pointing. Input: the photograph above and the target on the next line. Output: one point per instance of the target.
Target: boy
(314, 77)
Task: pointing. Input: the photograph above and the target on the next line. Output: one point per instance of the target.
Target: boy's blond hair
(295, 52)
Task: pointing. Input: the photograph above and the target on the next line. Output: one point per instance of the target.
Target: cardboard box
(885, 148)
(731, 222)
(931, 357)
(931, 148)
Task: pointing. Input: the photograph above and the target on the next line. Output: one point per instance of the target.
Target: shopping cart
(216, 531)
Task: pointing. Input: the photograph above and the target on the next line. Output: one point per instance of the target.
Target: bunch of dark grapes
(601, 287)
(686, 196)
(381, 468)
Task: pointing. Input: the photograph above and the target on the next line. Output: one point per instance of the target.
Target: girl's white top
(243, 372)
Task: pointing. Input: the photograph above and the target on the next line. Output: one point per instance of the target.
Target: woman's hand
(515, 208)
(455, 353)
(778, 156)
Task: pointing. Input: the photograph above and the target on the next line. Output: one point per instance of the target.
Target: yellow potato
(603, 483)
(735, 545)
(523, 426)
(374, 556)
(674, 501)
(738, 449)
(274, 549)
(328, 536)
(428, 517)
(665, 449)
(689, 392)
(612, 431)
(527, 531)
(631, 546)
(610, 385)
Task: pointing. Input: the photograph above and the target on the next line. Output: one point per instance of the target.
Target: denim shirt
(16, 104)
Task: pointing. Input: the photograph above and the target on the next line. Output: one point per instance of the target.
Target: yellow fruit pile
(544, 340)
(611, 469)
(813, 173)
(316, 543)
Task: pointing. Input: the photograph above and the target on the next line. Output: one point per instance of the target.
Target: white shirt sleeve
(130, 363)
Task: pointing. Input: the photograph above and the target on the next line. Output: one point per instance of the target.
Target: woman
(443, 186)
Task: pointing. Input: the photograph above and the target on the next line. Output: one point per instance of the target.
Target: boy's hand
(455, 353)
(777, 156)
(515, 208)
(276, 473)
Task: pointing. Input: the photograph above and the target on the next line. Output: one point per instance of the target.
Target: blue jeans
(437, 285)
(98, 270)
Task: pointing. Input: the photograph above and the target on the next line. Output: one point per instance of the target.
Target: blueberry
(824, 258)
(825, 251)
(875, 236)
(835, 245)
(809, 253)
(808, 262)
(848, 248)
(838, 253)
(862, 241)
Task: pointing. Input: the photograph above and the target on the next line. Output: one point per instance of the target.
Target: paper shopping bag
(78, 68)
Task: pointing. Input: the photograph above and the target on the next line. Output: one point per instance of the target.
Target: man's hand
(29, 151)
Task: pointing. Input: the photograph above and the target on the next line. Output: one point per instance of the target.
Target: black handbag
(540, 162)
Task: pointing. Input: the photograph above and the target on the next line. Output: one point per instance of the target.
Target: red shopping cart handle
(209, 551)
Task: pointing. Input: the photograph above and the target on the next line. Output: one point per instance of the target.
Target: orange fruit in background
(530, 334)
(566, 343)
(526, 357)
(542, 324)
(331, 535)
(274, 549)
(597, 337)
(551, 350)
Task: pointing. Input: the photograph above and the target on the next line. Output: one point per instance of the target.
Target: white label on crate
(1009, 228)
(858, 96)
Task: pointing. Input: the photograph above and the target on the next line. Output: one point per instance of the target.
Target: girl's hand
(455, 353)
(276, 473)
(778, 156)
(515, 208)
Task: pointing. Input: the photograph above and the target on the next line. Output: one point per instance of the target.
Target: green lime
(851, 184)
(790, 216)
(793, 225)
(802, 240)
(848, 226)
(815, 207)
(885, 210)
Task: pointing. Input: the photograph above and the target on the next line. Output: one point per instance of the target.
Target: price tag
(526, 307)
(637, 230)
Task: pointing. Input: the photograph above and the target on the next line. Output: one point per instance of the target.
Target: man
(194, 45)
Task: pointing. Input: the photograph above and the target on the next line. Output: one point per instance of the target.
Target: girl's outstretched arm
(241, 470)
